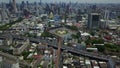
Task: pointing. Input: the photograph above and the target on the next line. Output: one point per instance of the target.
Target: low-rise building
(20, 47)
(8, 61)
(6, 40)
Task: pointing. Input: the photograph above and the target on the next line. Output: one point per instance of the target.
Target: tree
(88, 41)
(112, 47)
(74, 36)
(71, 27)
(78, 34)
(101, 48)
(119, 17)
(46, 34)
(92, 33)
(97, 41)
(8, 25)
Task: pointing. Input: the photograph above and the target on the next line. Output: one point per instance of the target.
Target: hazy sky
(80, 1)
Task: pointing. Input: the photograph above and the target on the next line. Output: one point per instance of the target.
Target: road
(72, 50)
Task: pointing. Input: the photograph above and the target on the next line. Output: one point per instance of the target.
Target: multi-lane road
(111, 62)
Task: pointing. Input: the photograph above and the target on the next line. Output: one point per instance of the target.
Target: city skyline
(79, 1)
(54, 34)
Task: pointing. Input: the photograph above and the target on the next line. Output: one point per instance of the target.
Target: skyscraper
(4, 15)
(40, 2)
(106, 17)
(78, 17)
(14, 6)
(0, 15)
(93, 21)
(22, 6)
(0, 18)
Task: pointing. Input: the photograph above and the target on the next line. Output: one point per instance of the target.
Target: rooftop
(18, 45)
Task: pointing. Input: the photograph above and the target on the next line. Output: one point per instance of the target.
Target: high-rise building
(93, 21)
(14, 6)
(0, 15)
(22, 6)
(10, 6)
(106, 17)
(1, 62)
(37, 9)
(27, 2)
(4, 15)
(4, 5)
(79, 17)
(0, 18)
(51, 15)
(40, 2)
